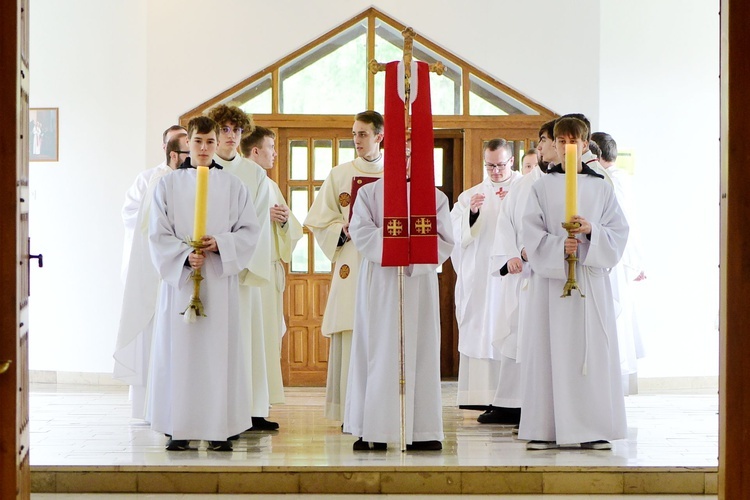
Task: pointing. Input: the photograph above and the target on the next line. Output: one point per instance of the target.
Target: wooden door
(306, 156)
(14, 265)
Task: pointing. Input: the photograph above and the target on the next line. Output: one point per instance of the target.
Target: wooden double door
(306, 156)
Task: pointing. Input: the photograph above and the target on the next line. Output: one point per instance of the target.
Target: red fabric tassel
(395, 210)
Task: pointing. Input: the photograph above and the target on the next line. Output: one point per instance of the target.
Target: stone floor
(84, 441)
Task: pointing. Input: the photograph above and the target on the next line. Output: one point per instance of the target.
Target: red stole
(409, 238)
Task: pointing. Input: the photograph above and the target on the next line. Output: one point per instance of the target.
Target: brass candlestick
(195, 307)
(571, 284)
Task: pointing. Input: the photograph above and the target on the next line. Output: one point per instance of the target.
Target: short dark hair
(495, 144)
(372, 117)
(255, 139)
(174, 145)
(532, 151)
(607, 144)
(582, 117)
(229, 113)
(171, 129)
(202, 125)
(595, 149)
(572, 127)
(548, 127)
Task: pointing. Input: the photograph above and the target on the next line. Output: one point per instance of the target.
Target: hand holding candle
(571, 181)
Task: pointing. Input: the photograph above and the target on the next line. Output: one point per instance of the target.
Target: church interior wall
(122, 71)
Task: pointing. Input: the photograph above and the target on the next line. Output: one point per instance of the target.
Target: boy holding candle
(200, 386)
(570, 360)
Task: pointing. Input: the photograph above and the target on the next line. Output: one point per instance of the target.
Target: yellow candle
(201, 202)
(571, 181)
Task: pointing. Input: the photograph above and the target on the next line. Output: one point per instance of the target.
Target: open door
(14, 260)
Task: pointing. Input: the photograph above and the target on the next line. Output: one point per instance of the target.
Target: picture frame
(44, 137)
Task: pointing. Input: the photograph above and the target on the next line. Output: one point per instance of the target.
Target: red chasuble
(409, 238)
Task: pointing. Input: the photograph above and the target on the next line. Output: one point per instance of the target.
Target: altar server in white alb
(257, 273)
(258, 147)
(328, 220)
(200, 386)
(570, 362)
(372, 405)
(478, 294)
(133, 347)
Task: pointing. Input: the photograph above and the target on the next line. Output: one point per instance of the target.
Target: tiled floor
(88, 428)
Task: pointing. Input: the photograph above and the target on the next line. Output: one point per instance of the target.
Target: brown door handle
(4, 365)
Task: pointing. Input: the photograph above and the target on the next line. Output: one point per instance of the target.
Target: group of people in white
(554, 367)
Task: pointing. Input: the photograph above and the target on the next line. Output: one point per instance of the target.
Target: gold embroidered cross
(395, 227)
(423, 225)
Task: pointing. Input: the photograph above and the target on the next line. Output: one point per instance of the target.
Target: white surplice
(257, 272)
(200, 385)
(325, 220)
(570, 361)
(372, 401)
(624, 287)
(479, 365)
(133, 345)
(283, 240)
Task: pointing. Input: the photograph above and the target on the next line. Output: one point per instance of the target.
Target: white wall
(659, 74)
(144, 53)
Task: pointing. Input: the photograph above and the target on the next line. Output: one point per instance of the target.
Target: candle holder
(571, 284)
(195, 307)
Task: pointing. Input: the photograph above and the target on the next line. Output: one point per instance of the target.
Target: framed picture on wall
(43, 134)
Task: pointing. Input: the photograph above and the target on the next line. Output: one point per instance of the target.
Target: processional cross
(439, 68)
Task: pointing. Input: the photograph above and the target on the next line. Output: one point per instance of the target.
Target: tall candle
(201, 202)
(571, 181)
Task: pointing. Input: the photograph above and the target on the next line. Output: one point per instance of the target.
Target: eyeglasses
(500, 166)
(228, 130)
(183, 152)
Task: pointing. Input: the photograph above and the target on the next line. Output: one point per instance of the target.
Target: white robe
(624, 288)
(372, 402)
(570, 365)
(479, 367)
(133, 345)
(325, 220)
(200, 385)
(506, 337)
(283, 240)
(257, 272)
(133, 198)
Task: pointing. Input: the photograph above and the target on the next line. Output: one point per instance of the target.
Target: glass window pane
(322, 80)
(322, 158)
(322, 264)
(438, 154)
(298, 160)
(298, 202)
(299, 256)
(346, 151)
(485, 99)
(256, 98)
(445, 89)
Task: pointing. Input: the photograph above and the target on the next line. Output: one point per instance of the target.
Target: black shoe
(380, 446)
(425, 446)
(507, 416)
(261, 424)
(360, 445)
(178, 444)
(220, 445)
(234, 438)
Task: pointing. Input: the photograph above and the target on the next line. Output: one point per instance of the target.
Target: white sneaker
(596, 445)
(541, 445)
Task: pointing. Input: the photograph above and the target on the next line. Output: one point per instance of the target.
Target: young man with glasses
(233, 122)
(479, 310)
